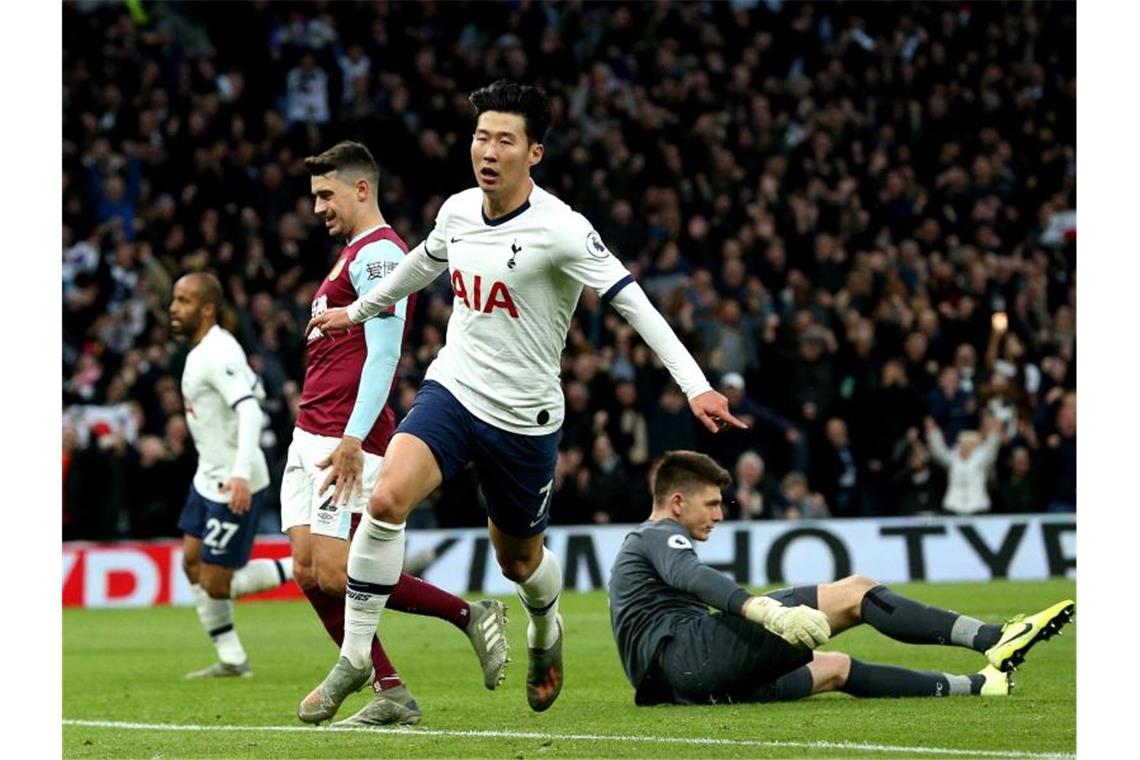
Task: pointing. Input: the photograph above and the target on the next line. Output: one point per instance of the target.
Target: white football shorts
(302, 503)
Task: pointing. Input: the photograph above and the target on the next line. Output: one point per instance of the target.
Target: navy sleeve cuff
(616, 288)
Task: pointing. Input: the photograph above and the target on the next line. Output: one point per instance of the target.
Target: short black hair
(685, 470)
(528, 101)
(346, 157)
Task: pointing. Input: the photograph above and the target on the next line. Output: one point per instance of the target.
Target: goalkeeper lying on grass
(759, 648)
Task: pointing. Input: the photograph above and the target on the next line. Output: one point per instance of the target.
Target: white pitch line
(694, 740)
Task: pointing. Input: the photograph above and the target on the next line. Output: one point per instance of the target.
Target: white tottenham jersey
(516, 280)
(216, 379)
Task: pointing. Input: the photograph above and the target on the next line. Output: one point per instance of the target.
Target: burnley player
(221, 395)
(759, 648)
(519, 258)
(342, 430)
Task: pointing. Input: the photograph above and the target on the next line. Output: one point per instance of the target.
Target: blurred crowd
(859, 217)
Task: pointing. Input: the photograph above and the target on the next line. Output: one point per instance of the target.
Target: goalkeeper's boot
(391, 707)
(1021, 633)
(544, 674)
(223, 670)
(323, 701)
(995, 683)
(487, 630)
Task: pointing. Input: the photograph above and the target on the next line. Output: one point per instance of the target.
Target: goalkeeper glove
(801, 625)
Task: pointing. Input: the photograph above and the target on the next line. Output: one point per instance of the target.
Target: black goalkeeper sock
(916, 623)
(793, 686)
(869, 680)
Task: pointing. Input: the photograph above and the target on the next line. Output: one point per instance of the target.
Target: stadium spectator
(627, 428)
(754, 494)
(952, 406)
(917, 489)
(1060, 455)
(837, 474)
(894, 408)
(801, 503)
(968, 466)
(307, 92)
(776, 436)
(70, 448)
(1017, 488)
(670, 424)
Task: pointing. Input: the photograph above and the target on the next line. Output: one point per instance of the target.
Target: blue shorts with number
(227, 539)
(515, 471)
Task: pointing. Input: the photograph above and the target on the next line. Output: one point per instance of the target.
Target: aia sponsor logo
(497, 295)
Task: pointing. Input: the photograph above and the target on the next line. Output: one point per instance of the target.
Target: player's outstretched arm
(413, 273)
(710, 407)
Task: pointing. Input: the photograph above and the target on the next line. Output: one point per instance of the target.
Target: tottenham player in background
(219, 521)
(342, 430)
(518, 259)
(759, 648)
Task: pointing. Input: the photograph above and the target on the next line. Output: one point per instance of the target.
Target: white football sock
(375, 561)
(260, 575)
(539, 595)
(217, 618)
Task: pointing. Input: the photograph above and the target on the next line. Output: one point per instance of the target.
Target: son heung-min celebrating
(518, 259)
(760, 648)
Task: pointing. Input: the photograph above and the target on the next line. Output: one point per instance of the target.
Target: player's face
(500, 153)
(185, 309)
(701, 509)
(334, 203)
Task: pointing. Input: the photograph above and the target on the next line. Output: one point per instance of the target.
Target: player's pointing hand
(711, 408)
(329, 322)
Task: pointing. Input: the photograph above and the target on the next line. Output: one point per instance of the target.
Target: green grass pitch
(126, 667)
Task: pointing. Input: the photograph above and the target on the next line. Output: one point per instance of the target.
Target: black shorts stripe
(243, 398)
(365, 587)
(616, 288)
